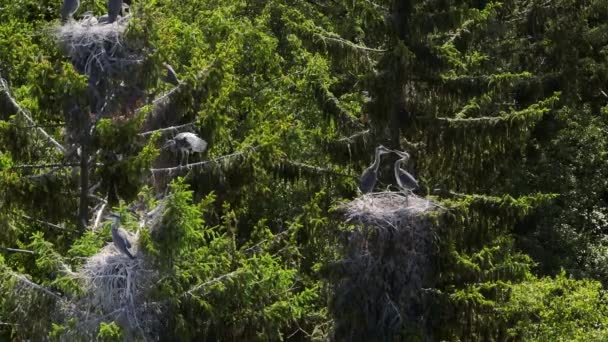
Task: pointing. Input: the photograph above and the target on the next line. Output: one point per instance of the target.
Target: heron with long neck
(369, 177)
(120, 236)
(404, 179)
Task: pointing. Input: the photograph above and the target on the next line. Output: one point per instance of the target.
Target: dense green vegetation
(503, 107)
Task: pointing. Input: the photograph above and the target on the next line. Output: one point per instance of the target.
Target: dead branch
(17, 250)
(167, 129)
(203, 163)
(5, 89)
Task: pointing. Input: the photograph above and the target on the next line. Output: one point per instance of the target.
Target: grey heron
(68, 9)
(404, 179)
(171, 75)
(186, 143)
(120, 236)
(114, 8)
(368, 179)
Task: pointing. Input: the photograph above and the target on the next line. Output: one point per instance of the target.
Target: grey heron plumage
(368, 179)
(114, 8)
(186, 143)
(404, 179)
(170, 75)
(120, 236)
(68, 9)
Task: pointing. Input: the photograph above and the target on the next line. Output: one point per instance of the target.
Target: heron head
(382, 150)
(402, 154)
(169, 144)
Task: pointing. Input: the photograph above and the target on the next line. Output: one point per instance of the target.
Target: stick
(17, 250)
(162, 130)
(4, 88)
(189, 166)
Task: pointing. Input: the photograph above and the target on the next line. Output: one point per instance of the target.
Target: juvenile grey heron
(120, 236)
(170, 76)
(368, 179)
(114, 8)
(68, 9)
(186, 143)
(404, 179)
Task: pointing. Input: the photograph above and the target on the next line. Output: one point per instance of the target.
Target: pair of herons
(71, 6)
(404, 179)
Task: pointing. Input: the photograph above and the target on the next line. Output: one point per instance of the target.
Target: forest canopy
(190, 170)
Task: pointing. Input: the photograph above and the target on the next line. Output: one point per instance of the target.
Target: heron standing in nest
(405, 180)
(114, 8)
(368, 179)
(120, 236)
(68, 9)
(186, 143)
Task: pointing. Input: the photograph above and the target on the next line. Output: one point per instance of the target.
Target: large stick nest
(117, 289)
(387, 263)
(96, 46)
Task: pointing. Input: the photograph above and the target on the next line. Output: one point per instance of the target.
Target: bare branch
(17, 250)
(4, 89)
(203, 163)
(167, 129)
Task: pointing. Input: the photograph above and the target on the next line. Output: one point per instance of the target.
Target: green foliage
(109, 332)
(501, 103)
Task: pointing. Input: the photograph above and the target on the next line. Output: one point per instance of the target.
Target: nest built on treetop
(386, 265)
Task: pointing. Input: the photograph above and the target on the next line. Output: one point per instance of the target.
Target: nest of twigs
(116, 289)
(96, 45)
(379, 284)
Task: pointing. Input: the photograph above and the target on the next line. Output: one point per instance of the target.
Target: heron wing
(124, 236)
(407, 179)
(367, 182)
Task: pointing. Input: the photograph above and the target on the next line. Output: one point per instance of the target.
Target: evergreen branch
(32, 284)
(212, 281)
(485, 119)
(315, 169)
(162, 130)
(331, 104)
(161, 99)
(45, 166)
(349, 43)
(202, 163)
(52, 225)
(4, 88)
(357, 135)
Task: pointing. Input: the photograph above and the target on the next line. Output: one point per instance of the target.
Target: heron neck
(376, 164)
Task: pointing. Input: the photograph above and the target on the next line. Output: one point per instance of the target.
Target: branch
(203, 163)
(34, 285)
(4, 88)
(315, 169)
(357, 135)
(17, 250)
(52, 225)
(162, 130)
(349, 43)
(46, 166)
(212, 281)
